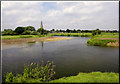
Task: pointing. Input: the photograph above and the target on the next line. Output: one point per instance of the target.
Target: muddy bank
(113, 44)
(32, 40)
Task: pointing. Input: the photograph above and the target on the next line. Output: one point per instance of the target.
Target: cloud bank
(84, 15)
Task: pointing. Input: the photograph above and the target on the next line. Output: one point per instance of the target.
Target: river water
(70, 56)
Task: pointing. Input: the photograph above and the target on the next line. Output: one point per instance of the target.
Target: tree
(8, 32)
(78, 31)
(95, 32)
(34, 32)
(20, 30)
(42, 31)
(57, 30)
(74, 31)
(27, 32)
(68, 31)
(30, 28)
(53, 29)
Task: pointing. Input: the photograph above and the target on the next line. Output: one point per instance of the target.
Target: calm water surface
(70, 56)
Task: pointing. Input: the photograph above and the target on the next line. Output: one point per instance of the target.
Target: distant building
(41, 26)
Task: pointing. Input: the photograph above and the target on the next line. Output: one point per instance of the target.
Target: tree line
(30, 30)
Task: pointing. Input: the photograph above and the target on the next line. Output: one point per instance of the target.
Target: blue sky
(84, 15)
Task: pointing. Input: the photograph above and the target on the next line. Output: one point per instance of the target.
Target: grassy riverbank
(93, 77)
(105, 39)
(22, 36)
(71, 34)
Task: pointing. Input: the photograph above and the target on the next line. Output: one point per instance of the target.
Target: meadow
(71, 34)
(103, 39)
(21, 36)
(93, 77)
(50, 34)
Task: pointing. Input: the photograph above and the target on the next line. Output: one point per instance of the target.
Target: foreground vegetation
(98, 40)
(93, 77)
(33, 73)
(44, 73)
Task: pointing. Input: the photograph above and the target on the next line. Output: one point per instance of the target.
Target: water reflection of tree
(31, 44)
(42, 43)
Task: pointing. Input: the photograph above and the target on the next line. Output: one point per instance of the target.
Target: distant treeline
(30, 30)
(81, 31)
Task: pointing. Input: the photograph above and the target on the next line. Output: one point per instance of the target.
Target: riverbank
(71, 34)
(105, 39)
(32, 40)
(93, 77)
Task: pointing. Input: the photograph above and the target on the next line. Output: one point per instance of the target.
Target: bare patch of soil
(113, 44)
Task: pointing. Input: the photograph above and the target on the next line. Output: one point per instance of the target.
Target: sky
(83, 15)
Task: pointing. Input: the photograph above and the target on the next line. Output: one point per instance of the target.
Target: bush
(34, 71)
(96, 32)
(8, 32)
(26, 36)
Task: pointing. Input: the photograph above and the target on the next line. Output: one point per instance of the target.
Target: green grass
(71, 34)
(107, 35)
(96, 41)
(22, 36)
(93, 77)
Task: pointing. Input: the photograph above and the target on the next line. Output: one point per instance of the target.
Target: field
(50, 34)
(22, 36)
(71, 34)
(105, 39)
(93, 77)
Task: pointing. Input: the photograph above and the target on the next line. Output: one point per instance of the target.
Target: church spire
(41, 26)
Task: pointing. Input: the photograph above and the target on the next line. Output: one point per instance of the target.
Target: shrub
(34, 71)
(25, 36)
(9, 77)
(8, 32)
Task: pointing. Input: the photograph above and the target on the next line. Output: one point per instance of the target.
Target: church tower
(41, 26)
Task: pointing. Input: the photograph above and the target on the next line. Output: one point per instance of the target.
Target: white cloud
(9, 4)
(85, 18)
(61, 15)
(25, 19)
(91, 3)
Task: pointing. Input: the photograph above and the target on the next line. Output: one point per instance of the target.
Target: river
(70, 56)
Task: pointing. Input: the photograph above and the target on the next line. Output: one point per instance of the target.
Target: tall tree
(20, 30)
(30, 28)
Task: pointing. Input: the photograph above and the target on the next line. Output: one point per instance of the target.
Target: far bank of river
(33, 40)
